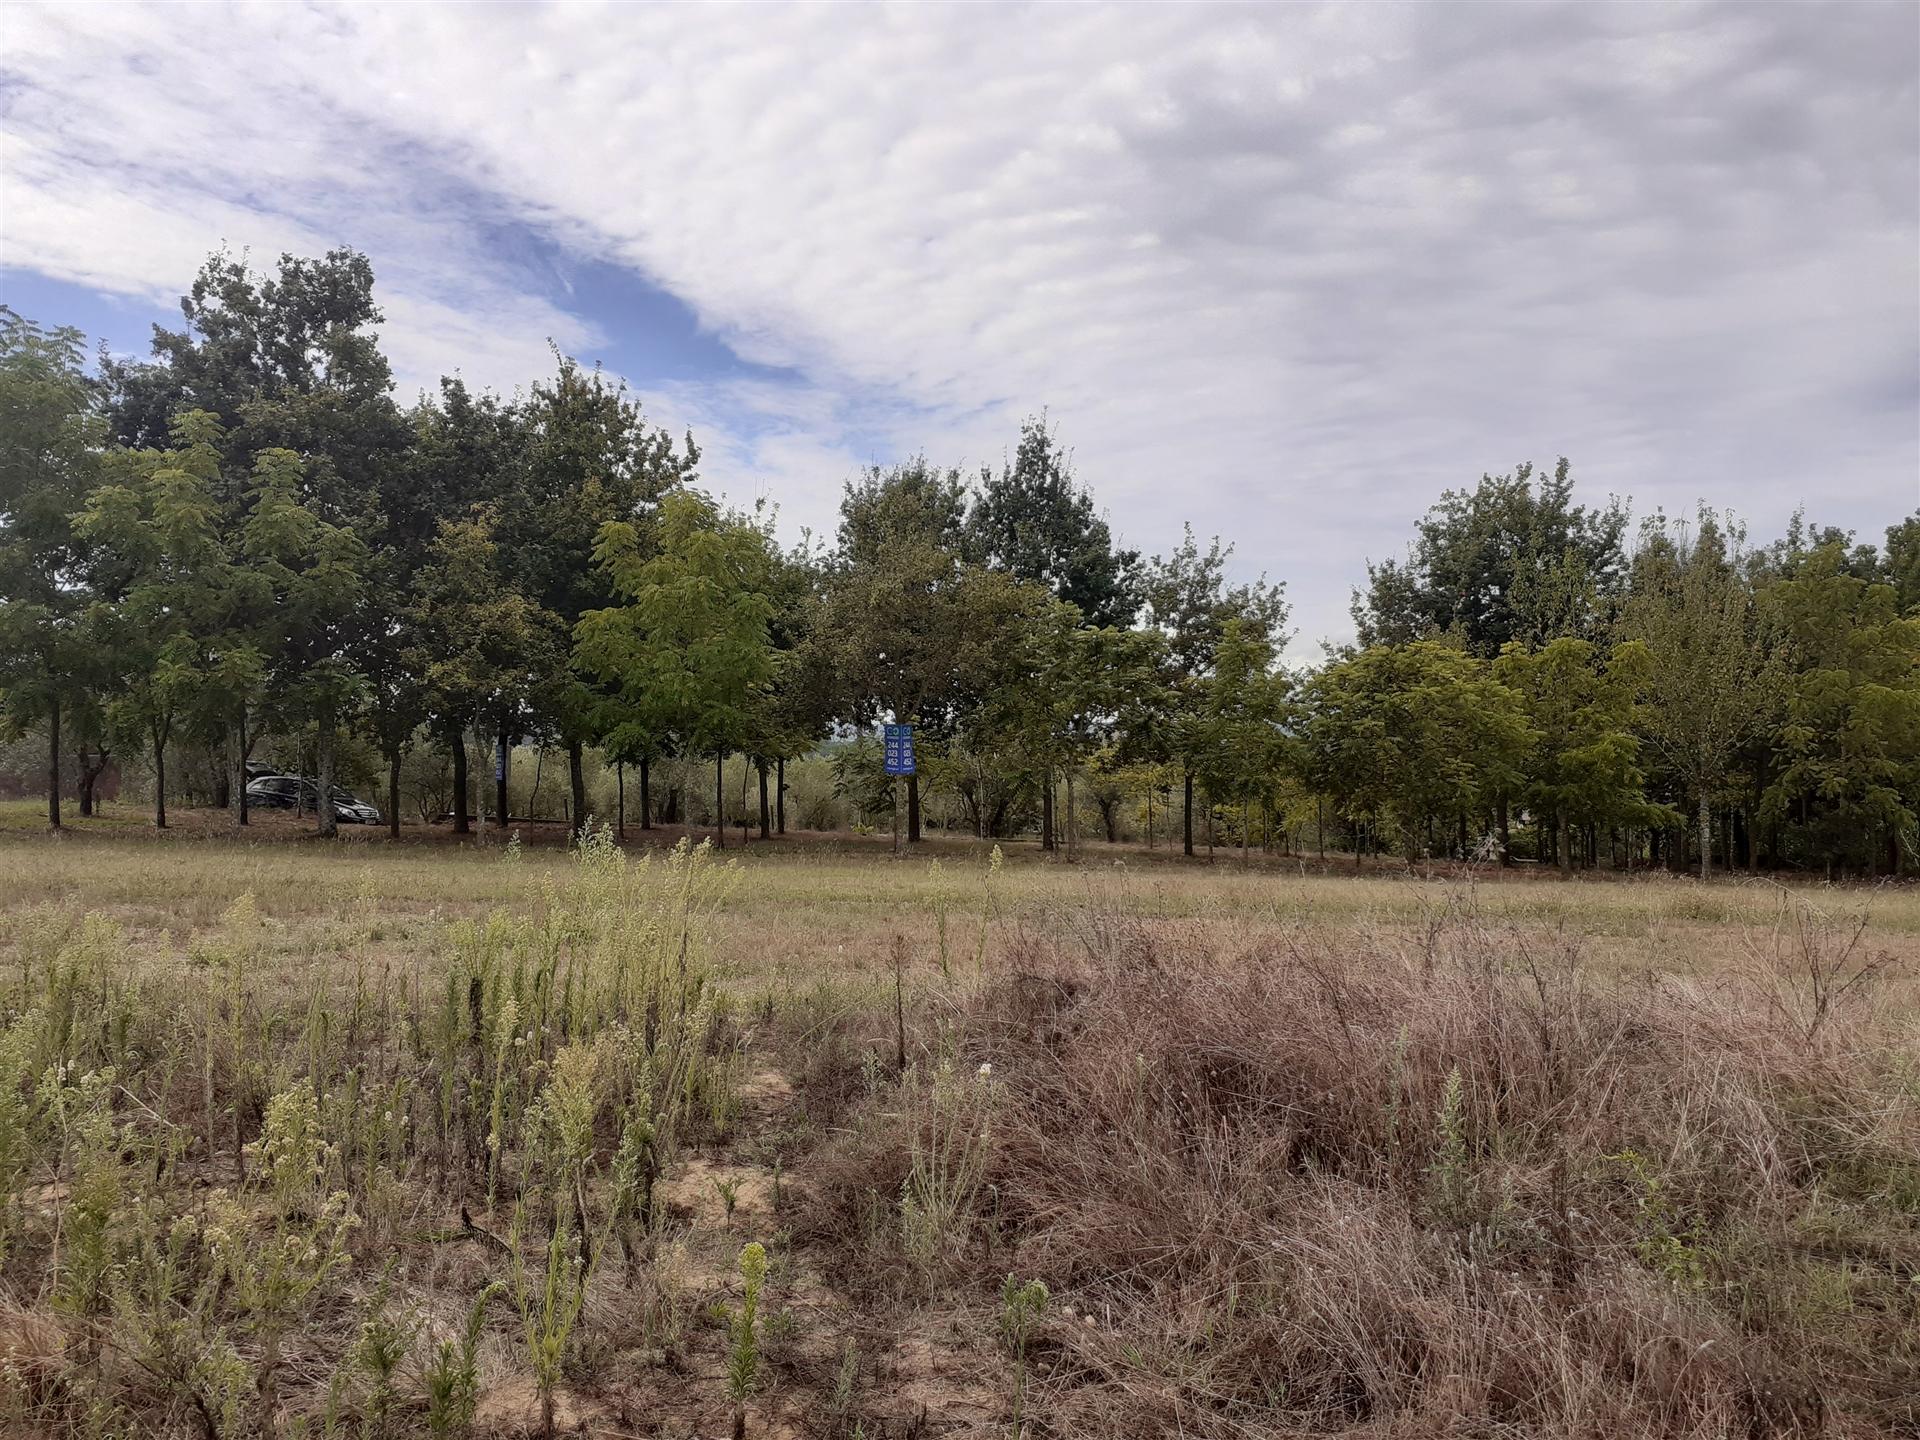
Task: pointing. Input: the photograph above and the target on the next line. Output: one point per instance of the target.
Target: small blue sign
(899, 748)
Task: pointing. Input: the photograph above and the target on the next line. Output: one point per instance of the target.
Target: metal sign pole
(896, 754)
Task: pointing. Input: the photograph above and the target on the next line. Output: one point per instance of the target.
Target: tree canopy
(244, 536)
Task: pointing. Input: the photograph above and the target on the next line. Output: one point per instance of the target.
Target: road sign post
(897, 747)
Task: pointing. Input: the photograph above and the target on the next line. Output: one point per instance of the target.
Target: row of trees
(1770, 695)
(246, 536)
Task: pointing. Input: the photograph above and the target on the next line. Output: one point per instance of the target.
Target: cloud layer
(1284, 272)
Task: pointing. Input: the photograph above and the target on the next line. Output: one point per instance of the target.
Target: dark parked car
(295, 792)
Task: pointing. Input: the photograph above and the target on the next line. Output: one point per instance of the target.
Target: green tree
(276, 619)
(1243, 721)
(50, 437)
(481, 645)
(159, 569)
(288, 358)
(690, 649)
(1850, 741)
(312, 569)
(589, 460)
(905, 622)
(912, 500)
(1711, 682)
(1190, 602)
(1583, 766)
(1035, 522)
(465, 451)
(284, 360)
(1903, 562)
(1405, 735)
(1512, 559)
(1061, 686)
(800, 704)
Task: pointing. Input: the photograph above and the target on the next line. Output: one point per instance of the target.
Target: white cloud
(1284, 272)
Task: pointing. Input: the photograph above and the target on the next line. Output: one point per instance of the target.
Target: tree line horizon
(245, 535)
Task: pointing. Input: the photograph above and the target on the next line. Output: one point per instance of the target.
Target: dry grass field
(363, 1139)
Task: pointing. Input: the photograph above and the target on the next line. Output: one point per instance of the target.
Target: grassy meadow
(363, 1139)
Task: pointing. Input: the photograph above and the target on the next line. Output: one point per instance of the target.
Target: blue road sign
(899, 747)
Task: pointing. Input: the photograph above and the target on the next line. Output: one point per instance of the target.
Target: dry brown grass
(832, 905)
(1677, 1190)
(1654, 1205)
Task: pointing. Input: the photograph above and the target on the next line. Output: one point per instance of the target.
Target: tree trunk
(458, 740)
(1246, 827)
(502, 766)
(1320, 825)
(1706, 835)
(720, 799)
(53, 764)
(539, 773)
(913, 808)
(577, 777)
(1506, 835)
(92, 762)
(780, 796)
(393, 793)
(237, 780)
(159, 778)
(766, 809)
(1209, 829)
(1149, 815)
(329, 825)
(646, 793)
(1564, 832)
(1186, 814)
(1073, 830)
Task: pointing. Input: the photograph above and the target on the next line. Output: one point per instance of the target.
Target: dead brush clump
(1455, 1185)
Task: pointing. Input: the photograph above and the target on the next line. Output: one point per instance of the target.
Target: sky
(1281, 272)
